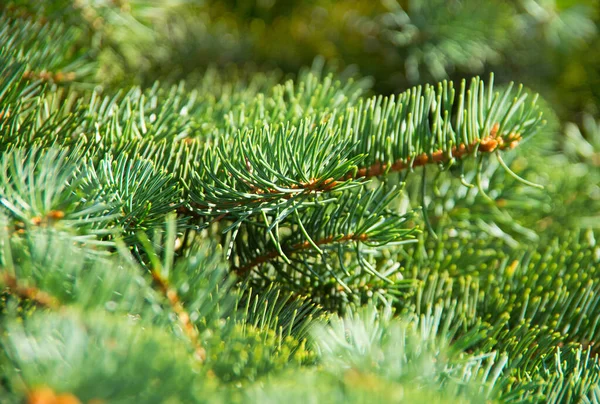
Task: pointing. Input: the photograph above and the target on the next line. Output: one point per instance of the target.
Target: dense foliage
(326, 210)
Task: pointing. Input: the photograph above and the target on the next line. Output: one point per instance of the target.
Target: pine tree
(248, 237)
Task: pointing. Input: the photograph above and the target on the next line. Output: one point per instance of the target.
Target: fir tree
(248, 237)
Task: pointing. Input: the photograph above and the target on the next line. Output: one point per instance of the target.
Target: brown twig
(487, 144)
(58, 77)
(182, 314)
(31, 293)
(305, 245)
(52, 216)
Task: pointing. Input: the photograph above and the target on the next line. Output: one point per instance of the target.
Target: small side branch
(270, 256)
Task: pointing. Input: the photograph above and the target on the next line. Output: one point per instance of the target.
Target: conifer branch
(489, 144)
(264, 168)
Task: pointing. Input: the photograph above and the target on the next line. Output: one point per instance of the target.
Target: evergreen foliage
(249, 237)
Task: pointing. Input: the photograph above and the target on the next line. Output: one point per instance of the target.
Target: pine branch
(489, 144)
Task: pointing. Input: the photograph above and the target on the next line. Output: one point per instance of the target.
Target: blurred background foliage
(552, 46)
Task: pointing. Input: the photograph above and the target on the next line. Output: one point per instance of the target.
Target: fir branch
(195, 287)
(275, 308)
(489, 144)
(115, 348)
